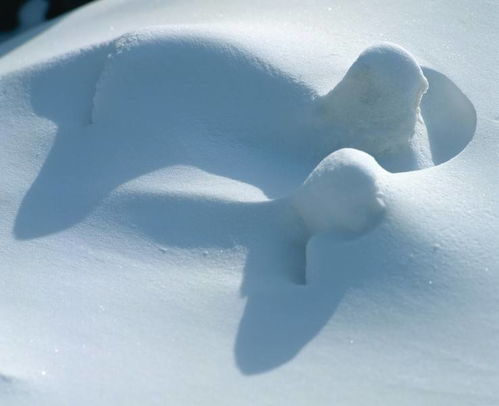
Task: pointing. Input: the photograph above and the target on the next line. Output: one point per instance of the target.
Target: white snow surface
(342, 194)
(184, 220)
(376, 105)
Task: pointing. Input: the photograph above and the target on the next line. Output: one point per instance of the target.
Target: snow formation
(173, 78)
(376, 106)
(342, 193)
(227, 207)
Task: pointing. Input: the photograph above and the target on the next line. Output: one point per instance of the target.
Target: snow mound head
(375, 107)
(342, 193)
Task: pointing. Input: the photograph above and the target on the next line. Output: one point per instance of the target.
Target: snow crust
(184, 220)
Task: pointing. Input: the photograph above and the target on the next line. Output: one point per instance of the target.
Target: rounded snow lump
(342, 193)
(375, 107)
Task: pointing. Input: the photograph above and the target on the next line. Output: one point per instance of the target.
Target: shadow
(282, 314)
(211, 114)
(449, 116)
(5, 380)
(270, 231)
(278, 323)
(10, 389)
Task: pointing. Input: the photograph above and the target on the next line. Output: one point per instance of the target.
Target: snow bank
(342, 193)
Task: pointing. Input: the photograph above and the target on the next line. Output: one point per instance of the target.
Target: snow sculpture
(342, 193)
(375, 107)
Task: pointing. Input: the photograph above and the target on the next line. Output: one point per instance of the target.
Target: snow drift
(160, 174)
(165, 98)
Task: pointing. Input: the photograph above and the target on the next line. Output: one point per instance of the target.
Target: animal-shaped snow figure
(376, 108)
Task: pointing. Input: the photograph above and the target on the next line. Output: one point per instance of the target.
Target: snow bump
(376, 105)
(342, 193)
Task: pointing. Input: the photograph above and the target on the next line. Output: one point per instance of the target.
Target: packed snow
(251, 204)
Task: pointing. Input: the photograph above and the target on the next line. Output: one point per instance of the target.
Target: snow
(376, 105)
(173, 79)
(342, 194)
(183, 220)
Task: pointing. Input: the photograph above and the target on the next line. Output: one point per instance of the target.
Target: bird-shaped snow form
(376, 107)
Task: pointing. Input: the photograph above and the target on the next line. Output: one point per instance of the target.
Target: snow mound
(162, 77)
(163, 97)
(342, 193)
(156, 218)
(175, 79)
(376, 106)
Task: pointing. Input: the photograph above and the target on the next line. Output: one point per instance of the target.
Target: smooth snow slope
(163, 176)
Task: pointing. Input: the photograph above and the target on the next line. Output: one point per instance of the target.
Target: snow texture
(228, 207)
